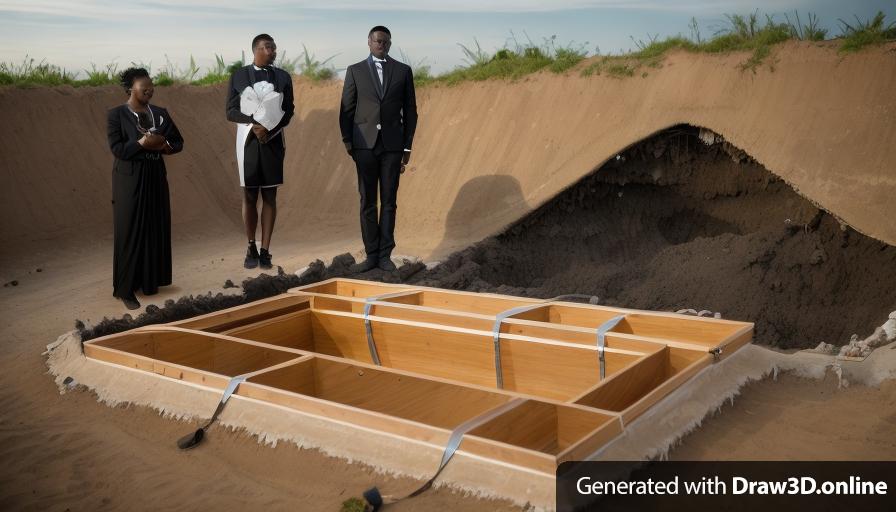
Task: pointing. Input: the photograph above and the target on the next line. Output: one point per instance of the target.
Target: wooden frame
(308, 350)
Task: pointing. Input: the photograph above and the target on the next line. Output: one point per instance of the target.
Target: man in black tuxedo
(378, 117)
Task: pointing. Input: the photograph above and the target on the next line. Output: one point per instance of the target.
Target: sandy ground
(66, 451)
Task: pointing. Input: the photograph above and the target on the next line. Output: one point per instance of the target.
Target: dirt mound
(674, 223)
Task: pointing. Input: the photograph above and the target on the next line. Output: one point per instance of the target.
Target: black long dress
(142, 214)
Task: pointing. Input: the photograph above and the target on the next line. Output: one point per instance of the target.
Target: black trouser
(378, 168)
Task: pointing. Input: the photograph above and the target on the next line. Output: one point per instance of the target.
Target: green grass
(512, 62)
(742, 33)
(863, 33)
(515, 60)
(311, 68)
(353, 505)
(420, 69)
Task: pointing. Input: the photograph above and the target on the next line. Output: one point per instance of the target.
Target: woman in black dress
(139, 134)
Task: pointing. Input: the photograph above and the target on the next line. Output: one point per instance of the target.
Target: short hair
(127, 77)
(379, 28)
(261, 37)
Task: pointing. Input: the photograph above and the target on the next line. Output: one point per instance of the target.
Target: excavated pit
(676, 223)
(672, 223)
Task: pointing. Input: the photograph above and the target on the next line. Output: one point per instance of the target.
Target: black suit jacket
(368, 110)
(123, 134)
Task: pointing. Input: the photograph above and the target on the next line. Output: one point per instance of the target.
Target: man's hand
(405, 158)
(261, 133)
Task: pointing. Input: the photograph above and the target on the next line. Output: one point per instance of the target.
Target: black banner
(732, 486)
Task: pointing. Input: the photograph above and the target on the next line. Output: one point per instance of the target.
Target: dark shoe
(251, 260)
(387, 265)
(364, 266)
(130, 302)
(264, 259)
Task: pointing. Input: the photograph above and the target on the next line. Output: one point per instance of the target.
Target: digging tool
(192, 440)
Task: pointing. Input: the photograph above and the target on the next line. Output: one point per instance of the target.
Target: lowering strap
(602, 341)
(228, 391)
(499, 319)
(194, 438)
(496, 336)
(373, 495)
(371, 344)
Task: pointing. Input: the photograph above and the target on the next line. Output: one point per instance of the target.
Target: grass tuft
(312, 68)
(863, 33)
(514, 60)
(353, 505)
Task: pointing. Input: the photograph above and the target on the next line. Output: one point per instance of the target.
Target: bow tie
(378, 60)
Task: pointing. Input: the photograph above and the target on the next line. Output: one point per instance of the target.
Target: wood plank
(532, 425)
(149, 365)
(671, 383)
(348, 288)
(380, 390)
(230, 318)
(589, 443)
(706, 332)
(289, 330)
(198, 350)
(542, 434)
(337, 412)
(623, 389)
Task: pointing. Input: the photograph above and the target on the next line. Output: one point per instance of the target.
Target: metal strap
(496, 336)
(602, 341)
(499, 319)
(458, 433)
(228, 391)
(369, 302)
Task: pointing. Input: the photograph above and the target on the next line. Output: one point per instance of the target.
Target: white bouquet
(262, 103)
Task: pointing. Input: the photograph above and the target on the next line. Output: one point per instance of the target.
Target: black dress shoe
(264, 259)
(130, 302)
(364, 266)
(252, 255)
(387, 266)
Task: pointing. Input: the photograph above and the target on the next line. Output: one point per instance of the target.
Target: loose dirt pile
(674, 223)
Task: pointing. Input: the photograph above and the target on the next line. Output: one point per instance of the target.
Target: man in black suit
(260, 152)
(378, 117)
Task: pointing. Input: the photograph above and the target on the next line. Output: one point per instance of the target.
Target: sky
(77, 34)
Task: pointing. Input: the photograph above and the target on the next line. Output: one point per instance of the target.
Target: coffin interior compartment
(404, 308)
(652, 377)
(554, 432)
(552, 370)
(195, 350)
(709, 333)
(433, 403)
